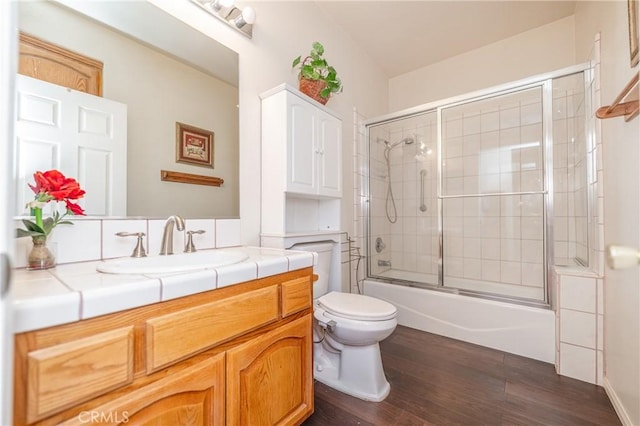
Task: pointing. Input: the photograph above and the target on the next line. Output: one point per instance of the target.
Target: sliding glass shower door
(492, 194)
(483, 193)
(403, 214)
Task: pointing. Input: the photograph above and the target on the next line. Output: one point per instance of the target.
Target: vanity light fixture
(247, 17)
(240, 19)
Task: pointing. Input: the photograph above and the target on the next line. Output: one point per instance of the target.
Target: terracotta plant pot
(312, 88)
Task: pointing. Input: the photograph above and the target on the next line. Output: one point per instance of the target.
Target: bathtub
(517, 329)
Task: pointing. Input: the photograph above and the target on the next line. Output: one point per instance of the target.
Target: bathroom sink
(182, 262)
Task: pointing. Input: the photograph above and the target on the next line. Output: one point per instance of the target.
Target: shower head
(407, 141)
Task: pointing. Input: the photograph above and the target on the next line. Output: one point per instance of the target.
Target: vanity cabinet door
(193, 395)
(270, 378)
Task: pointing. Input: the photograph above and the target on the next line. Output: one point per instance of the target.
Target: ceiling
(401, 36)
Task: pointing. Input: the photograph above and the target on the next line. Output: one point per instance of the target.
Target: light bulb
(219, 4)
(248, 16)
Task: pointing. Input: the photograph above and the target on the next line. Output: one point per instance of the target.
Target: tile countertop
(76, 291)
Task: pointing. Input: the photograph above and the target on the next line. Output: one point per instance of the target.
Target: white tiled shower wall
(412, 241)
(577, 293)
(94, 239)
(570, 171)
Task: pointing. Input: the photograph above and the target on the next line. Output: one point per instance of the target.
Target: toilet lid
(357, 306)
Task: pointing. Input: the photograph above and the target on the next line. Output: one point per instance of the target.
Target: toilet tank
(323, 267)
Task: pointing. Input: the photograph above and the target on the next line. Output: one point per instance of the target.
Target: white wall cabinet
(301, 164)
(308, 136)
(314, 143)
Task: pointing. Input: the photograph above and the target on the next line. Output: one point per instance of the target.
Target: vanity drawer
(178, 335)
(296, 295)
(64, 375)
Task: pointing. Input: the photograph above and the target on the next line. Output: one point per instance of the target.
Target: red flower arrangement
(51, 186)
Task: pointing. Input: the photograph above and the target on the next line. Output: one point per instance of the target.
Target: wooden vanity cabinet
(238, 355)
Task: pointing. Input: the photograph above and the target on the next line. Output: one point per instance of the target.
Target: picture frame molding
(205, 136)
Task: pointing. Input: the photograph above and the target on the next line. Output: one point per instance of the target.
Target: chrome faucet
(167, 236)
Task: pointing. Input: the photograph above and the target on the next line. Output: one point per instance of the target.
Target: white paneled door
(8, 57)
(83, 136)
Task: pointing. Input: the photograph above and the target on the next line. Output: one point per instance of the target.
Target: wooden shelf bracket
(628, 109)
(169, 176)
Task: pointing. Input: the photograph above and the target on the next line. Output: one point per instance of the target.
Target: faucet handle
(189, 247)
(139, 250)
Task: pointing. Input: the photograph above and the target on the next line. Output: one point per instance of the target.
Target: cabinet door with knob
(314, 145)
(301, 146)
(329, 147)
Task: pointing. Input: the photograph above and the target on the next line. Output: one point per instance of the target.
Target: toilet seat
(357, 307)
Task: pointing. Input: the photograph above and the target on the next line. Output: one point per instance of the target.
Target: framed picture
(633, 31)
(194, 145)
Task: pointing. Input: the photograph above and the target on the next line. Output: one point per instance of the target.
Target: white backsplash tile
(69, 243)
(228, 233)
(79, 242)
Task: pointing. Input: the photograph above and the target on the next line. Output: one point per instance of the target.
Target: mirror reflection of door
(82, 135)
(49, 62)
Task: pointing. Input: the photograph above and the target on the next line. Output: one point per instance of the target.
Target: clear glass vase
(40, 257)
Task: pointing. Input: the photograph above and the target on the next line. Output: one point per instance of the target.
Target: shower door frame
(544, 81)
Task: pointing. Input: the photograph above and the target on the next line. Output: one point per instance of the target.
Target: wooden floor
(440, 381)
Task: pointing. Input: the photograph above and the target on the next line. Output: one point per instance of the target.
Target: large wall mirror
(166, 73)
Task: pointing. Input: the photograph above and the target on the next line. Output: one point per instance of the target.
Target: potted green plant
(317, 78)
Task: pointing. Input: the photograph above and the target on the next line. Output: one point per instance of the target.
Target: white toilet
(347, 329)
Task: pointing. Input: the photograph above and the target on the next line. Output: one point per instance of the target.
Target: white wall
(283, 31)
(621, 156)
(159, 91)
(546, 48)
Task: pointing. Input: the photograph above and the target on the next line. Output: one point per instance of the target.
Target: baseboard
(617, 405)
